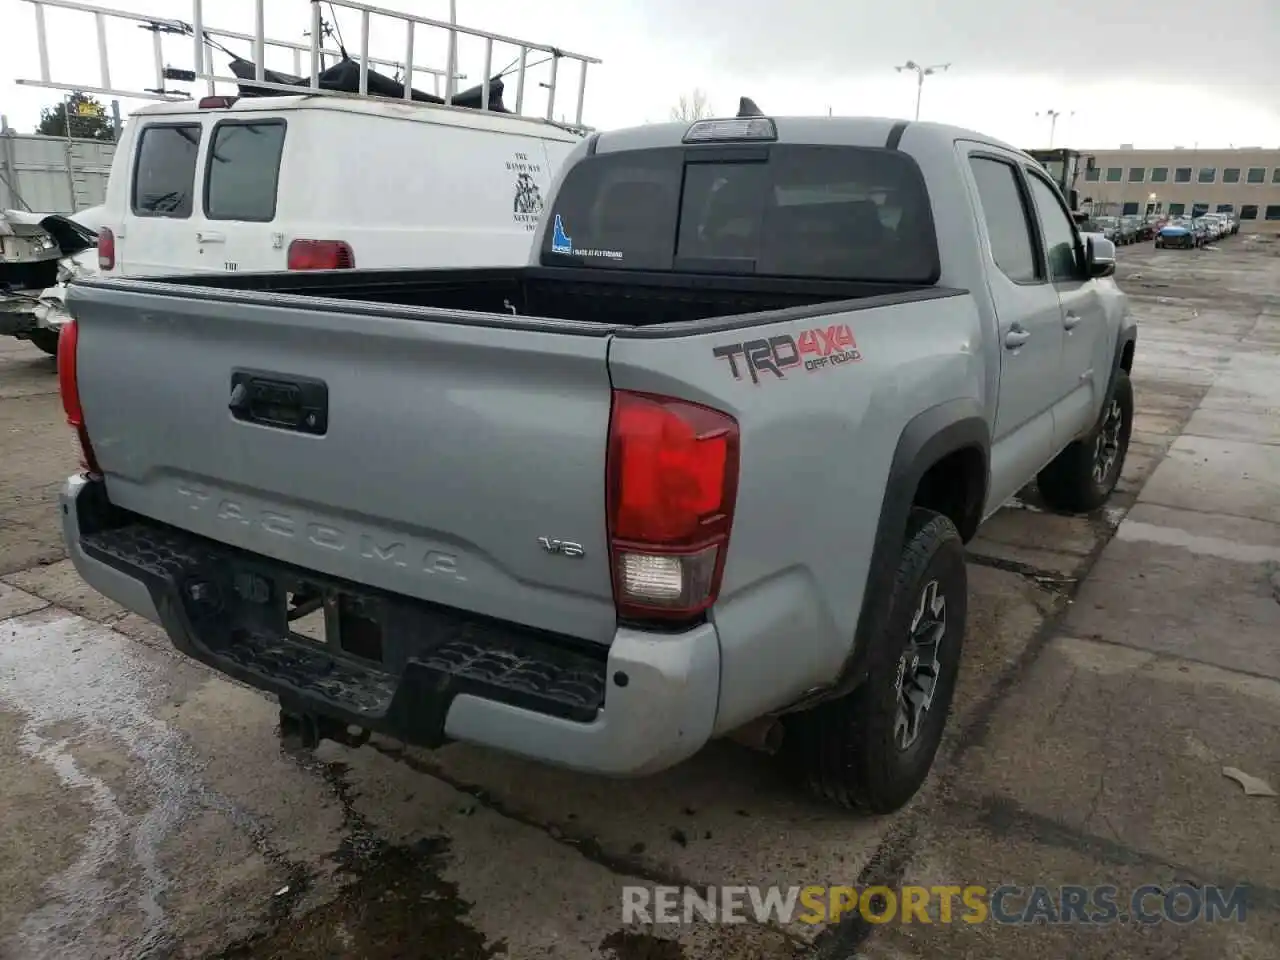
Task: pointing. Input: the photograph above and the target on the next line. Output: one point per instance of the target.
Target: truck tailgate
(437, 460)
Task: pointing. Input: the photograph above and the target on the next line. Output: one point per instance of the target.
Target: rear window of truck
(164, 172)
(820, 212)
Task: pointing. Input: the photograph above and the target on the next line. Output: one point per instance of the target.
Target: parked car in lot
(1129, 230)
(1110, 227)
(612, 557)
(39, 255)
(1213, 223)
(1176, 234)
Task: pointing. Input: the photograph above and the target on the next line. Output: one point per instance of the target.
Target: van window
(164, 173)
(243, 170)
(819, 212)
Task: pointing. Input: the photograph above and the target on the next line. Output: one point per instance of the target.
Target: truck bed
(620, 298)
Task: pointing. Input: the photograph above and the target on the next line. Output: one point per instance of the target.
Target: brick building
(1244, 181)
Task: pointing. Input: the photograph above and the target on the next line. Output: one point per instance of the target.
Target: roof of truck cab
(385, 107)
(834, 131)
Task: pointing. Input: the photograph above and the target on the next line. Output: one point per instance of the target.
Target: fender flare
(1126, 337)
(926, 439)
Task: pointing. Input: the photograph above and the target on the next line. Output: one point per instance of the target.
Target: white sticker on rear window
(563, 243)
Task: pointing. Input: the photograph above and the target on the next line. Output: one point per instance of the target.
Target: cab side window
(164, 170)
(1008, 228)
(1055, 227)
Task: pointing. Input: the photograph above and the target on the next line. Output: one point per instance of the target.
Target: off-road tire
(1069, 483)
(846, 749)
(45, 339)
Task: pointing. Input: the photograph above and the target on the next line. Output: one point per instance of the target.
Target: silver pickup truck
(708, 461)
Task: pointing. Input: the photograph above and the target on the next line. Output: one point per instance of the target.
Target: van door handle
(209, 236)
(1070, 320)
(1016, 337)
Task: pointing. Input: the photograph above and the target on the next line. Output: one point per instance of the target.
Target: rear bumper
(645, 704)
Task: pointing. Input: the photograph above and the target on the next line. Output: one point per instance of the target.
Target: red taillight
(68, 385)
(320, 255)
(672, 480)
(106, 249)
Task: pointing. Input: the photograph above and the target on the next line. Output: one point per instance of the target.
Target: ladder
(206, 39)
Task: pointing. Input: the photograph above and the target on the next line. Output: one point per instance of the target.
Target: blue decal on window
(559, 242)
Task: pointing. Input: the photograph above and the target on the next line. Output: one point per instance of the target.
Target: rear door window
(1005, 213)
(164, 173)
(849, 213)
(243, 170)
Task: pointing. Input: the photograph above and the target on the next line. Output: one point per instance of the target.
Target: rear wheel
(45, 339)
(1083, 475)
(872, 749)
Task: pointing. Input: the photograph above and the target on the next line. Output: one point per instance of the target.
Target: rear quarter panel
(816, 450)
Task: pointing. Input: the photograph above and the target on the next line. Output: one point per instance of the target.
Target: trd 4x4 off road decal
(818, 349)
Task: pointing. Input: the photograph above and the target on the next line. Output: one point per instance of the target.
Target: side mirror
(1101, 254)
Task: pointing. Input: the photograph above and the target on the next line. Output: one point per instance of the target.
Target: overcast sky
(1149, 72)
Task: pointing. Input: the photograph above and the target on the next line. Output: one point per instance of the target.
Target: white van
(322, 182)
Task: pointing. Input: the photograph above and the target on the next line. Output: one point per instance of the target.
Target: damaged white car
(39, 255)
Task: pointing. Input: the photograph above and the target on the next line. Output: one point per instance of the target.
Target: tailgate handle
(280, 401)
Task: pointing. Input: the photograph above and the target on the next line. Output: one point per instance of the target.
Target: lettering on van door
(527, 205)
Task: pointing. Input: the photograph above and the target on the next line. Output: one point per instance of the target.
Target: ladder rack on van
(205, 39)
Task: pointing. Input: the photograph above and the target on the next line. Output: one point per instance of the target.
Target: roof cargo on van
(344, 77)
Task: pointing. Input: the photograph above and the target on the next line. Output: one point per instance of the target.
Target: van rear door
(163, 210)
(241, 182)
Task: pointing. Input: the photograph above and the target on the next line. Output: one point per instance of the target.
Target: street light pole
(921, 73)
(1053, 116)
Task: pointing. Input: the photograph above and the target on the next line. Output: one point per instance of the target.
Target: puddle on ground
(396, 905)
(88, 700)
(630, 945)
(82, 690)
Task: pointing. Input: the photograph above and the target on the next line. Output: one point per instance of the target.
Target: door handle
(1070, 320)
(207, 236)
(1016, 337)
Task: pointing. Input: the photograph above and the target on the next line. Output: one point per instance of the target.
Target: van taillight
(106, 249)
(320, 255)
(69, 387)
(671, 484)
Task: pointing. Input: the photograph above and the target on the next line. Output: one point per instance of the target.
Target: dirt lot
(1114, 665)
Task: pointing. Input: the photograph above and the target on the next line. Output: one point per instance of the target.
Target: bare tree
(691, 107)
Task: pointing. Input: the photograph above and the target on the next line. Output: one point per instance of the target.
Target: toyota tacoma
(708, 460)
